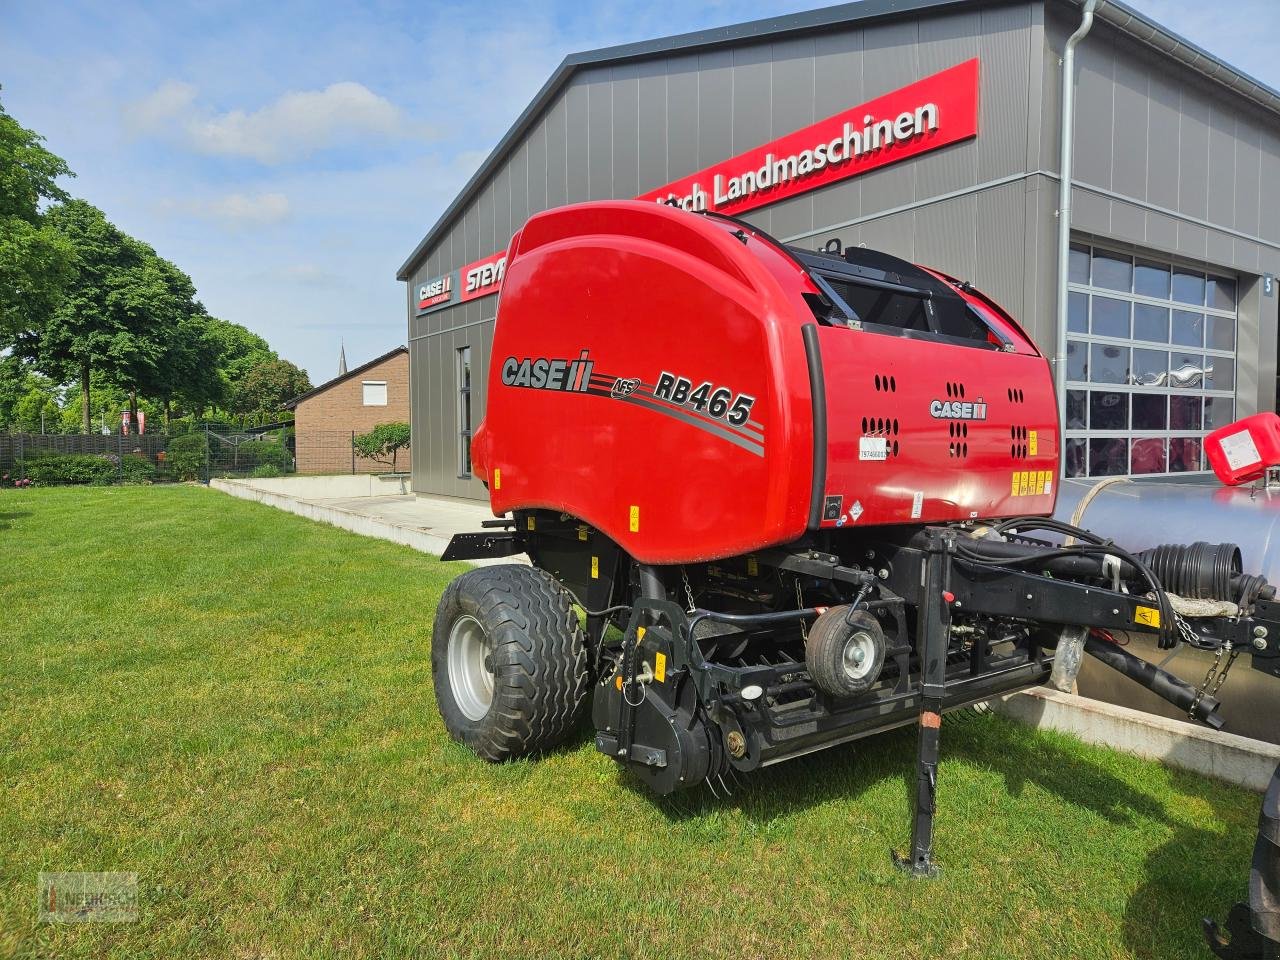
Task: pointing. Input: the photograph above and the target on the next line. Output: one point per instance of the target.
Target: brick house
(327, 417)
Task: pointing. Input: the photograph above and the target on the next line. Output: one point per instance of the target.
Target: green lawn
(236, 703)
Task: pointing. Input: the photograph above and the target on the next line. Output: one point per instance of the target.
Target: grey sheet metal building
(1175, 205)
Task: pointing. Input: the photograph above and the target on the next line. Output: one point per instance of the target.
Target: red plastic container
(1242, 451)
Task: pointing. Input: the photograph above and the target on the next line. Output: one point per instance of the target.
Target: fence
(211, 450)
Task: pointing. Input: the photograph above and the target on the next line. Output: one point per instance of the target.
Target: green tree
(36, 262)
(383, 441)
(268, 385)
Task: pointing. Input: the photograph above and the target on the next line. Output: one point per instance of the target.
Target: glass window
(374, 393)
(1218, 412)
(1077, 360)
(1077, 453)
(1110, 317)
(1149, 411)
(1151, 348)
(1108, 363)
(1150, 323)
(1184, 413)
(1148, 455)
(1188, 287)
(1220, 333)
(1076, 410)
(1077, 313)
(1222, 293)
(1188, 328)
(464, 411)
(1108, 411)
(1150, 368)
(1108, 457)
(1219, 373)
(1113, 271)
(1079, 264)
(1186, 370)
(1151, 279)
(1184, 454)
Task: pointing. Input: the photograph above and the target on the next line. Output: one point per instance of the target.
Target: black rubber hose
(1160, 682)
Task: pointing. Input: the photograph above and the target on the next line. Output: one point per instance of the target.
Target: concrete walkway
(372, 506)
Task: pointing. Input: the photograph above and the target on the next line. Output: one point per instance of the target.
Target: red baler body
(607, 308)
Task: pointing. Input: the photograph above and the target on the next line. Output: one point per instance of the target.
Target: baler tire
(824, 651)
(537, 654)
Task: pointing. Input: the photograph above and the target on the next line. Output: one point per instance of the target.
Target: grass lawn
(236, 704)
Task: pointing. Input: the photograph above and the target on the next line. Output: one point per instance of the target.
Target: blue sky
(289, 155)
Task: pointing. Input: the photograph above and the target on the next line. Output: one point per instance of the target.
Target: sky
(289, 155)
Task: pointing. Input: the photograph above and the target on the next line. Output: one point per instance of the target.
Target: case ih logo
(436, 292)
(542, 373)
(958, 410)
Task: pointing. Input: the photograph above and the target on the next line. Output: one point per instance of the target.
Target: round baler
(799, 497)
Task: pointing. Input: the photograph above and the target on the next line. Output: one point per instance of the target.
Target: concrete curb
(1222, 756)
(334, 516)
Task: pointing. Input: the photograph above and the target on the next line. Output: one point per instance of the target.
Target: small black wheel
(509, 661)
(845, 652)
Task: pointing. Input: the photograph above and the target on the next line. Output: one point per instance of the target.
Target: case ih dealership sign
(931, 113)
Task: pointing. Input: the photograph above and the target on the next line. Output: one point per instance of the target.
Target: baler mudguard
(675, 381)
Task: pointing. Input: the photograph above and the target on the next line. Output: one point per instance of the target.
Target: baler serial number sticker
(873, 448)
(1149, 616)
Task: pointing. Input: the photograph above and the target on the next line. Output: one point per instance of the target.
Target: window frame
(463, 374)
(364, 393)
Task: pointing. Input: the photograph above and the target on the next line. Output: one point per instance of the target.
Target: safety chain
(804, 631)
(688, 591)
(1214, 679)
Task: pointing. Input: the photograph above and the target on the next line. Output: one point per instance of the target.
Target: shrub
(136, 469)
(267, 470)
(48, 469)
(262, 453)
(186, 456)
(383, 441)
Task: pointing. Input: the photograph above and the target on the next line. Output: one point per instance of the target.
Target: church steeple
(342, 358)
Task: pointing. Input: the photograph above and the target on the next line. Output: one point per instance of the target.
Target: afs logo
(624, 387)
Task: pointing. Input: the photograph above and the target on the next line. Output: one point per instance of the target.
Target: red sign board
(935, 112)
(930, 113)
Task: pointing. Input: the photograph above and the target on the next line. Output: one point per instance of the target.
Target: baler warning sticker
(633, 521)
(660, 667)
(1149, 616)
(917, 504)
(595, 568)
(1033, 443)
(1031, 483)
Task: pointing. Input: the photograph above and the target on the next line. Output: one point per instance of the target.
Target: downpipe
(1066, 136)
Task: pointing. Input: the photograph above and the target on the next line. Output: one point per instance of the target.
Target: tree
(269, 385)
(383, 441)
(36, 262)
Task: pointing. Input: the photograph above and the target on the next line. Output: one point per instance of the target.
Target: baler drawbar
(799, 498)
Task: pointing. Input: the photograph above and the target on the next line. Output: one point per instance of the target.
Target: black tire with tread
(824, 651)
(539, 660)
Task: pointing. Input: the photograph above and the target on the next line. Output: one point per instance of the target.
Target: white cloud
(233, 209)
(291, 127)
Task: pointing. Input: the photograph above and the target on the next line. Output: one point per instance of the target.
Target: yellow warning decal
(634, 524)
(497, 479)
(617, 681)
(582, 532)
(753, 567)
(639, 634)
(660, 667)
(1149, 616)
(1032, 445)
(595, 568)
(530, 523)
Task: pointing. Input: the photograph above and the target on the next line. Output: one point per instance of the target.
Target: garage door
(1151, 362)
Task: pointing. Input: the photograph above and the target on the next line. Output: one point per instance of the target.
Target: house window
(1151, 362)
(375, 393)
(464, 411)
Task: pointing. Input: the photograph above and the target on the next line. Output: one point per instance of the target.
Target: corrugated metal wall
(620, 130)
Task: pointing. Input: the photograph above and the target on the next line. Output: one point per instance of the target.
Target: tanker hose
(1160, 682)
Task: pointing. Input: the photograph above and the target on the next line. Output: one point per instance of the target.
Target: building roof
(354, 372)
(1119, 15)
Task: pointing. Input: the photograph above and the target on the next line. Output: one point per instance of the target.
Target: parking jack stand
(934, 626)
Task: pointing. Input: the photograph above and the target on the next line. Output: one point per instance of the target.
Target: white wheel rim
(470, 680)
(859, 655)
